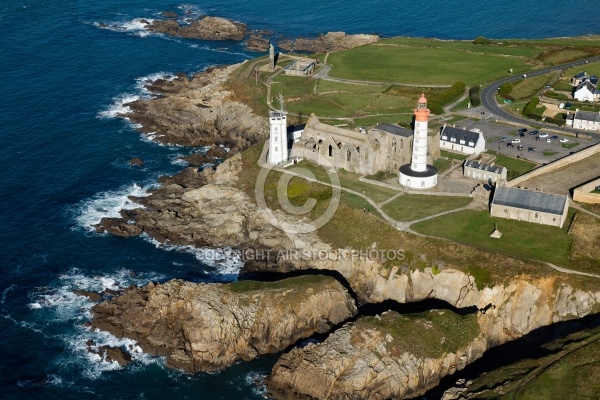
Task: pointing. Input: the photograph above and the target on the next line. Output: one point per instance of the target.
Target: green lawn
(515, 167)
(563, 86)
(528, 87)
(453, 156)
(426, 62)
(410, 207)
(442, 164)
(549, 153)
(348, 180)
(519, 238)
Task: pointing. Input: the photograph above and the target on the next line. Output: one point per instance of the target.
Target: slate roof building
(529, 205)
(483, 171)
(583, 77)
(462, 140)
(586, 91)
(585, 120)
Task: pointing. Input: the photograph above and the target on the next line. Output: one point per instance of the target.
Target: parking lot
(544, 152)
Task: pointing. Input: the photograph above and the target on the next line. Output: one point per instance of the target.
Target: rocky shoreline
(206, 327)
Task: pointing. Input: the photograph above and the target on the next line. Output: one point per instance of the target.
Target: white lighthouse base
(418, 179)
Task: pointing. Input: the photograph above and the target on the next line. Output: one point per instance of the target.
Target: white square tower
(278, 138)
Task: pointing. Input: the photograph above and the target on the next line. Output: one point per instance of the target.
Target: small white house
(584, 120)
(586, 91)
(462, 140)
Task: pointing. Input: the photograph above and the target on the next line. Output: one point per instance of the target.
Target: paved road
(488, 97)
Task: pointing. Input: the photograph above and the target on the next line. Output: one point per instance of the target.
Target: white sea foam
(136, 26)
(61, 305)
(5, 292)
(223, 260)
(118, 107)
(108, 204)
(258, 381)
(143, 82)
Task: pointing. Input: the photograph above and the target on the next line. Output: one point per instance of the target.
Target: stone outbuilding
(483, 171)
(530, 205)
(301, 67)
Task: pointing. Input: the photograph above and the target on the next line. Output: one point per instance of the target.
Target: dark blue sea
(64, 160)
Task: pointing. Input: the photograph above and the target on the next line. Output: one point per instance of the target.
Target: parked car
(564, 140)
(362, 129)
(549, 140)
(543, 134)
(554, 137)
(531, 149)
(522, 134)
(516, 141)
(534, 132)
(520, 147)
(568, 106)
(522, 130)
(509, 145)
(504, 138)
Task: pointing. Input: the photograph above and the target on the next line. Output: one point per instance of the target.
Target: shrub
(474, 96)
(505, 89)
(481, 40)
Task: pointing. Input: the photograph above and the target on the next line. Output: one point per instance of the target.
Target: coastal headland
(338, 315)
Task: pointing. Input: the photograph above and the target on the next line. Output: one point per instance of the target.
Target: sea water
(67, 69)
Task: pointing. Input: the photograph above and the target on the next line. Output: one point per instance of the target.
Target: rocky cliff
(381, 357)
(206, 327)
(366, 361)
(197, 111)
(206, 28)
(332, 41)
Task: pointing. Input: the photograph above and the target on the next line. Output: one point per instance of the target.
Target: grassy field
(590, 68)
(515, 167)
(519, 238)
(428, 63)
(410, 207)
(558, 369)
(348, 180)
(419, 333)
(549, 153)
(528, 87)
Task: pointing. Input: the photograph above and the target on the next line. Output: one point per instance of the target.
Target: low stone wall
(558, 164)
(583, 193)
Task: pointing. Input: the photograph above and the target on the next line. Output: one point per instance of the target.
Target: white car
(564, 140)
(516, 141)
(543, 134)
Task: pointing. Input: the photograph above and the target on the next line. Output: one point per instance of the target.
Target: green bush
(481, 40)
(435, 108)
(531, 105)
(474, 96)
(557, 96)
(505, 89)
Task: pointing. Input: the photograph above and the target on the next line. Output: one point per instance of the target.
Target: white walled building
(584, 120)
(278, 138)
(462, 140)
(586, 92)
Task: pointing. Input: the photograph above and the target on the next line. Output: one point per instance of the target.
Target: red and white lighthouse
(418, 174)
